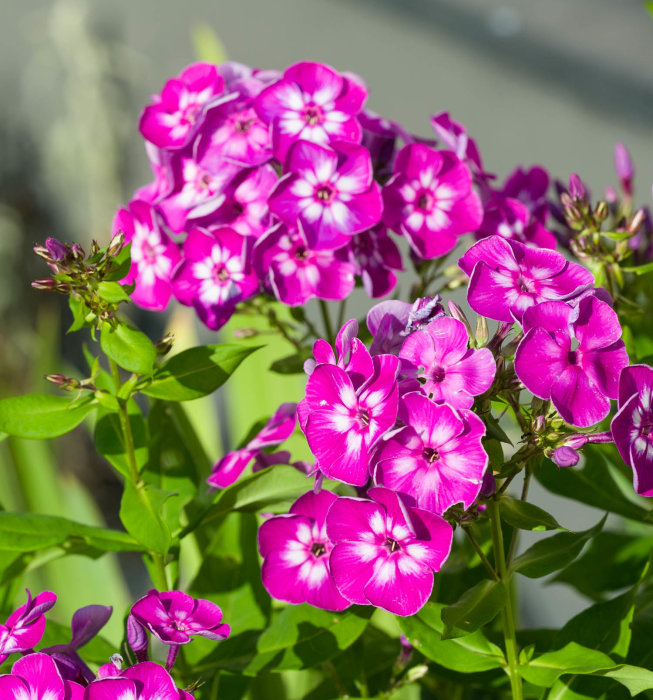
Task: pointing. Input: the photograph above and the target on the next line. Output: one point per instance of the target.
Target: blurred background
(536, 81)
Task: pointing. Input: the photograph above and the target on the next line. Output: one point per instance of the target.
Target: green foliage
(140, 513)
(477, 606)
(42, 416)
(128, 347)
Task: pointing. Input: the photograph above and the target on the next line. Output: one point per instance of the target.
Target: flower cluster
(58, 672)
(284, 183)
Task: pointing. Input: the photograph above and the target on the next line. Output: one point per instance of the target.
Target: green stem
(507, 614)
(486, 562)
(158, 570)
(515, 532)
(341, 312)
(327, 321)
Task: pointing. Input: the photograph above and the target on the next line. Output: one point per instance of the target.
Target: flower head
(144, 681)
(36, 677)
(385, 554)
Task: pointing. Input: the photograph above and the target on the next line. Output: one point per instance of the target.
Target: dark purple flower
(295, 550)
(374, 256)
(35, 677)
(511, 219)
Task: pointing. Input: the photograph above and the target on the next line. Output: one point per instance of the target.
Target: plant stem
(327, 321)
(515, 533)
(158, 572)
(341, 312)
(507, 614)
(486, 562)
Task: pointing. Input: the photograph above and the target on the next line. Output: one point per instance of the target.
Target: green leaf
(495, 431)
(112, 292)
(553, 553)
(41, 416)
(140, 513)
(592, 485)
(470, 654)
(128, 347)
(78, 310)
(196, 372)
(526, 516)
(573, 658)
(476, 607)
(265, 488)
(649, 6)
(303, 637)
(292, 364)
(640, 269)
(120, 265)
(635, 678)
(30, 532)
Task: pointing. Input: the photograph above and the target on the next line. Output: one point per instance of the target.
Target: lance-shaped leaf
(42, 416)
(140, 513)
(526, 516)
(573, 658)
(129, 348)
(475, 608)
(553, 553)
(196, 372)
(469, 654)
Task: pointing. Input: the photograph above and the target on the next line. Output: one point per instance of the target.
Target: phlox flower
(449, 371)
(384, 553)
(328, 192)
(437, 459)
(296, 273)
(387, 322)
(179, 110)
(279, 428)
(312, 102)
(144, 681)
(507, 277)
(632, 426)
(572, 356)
(24, 628)
(454, 137)
(36, 677)
(342, 423)
(295, 550)
(153, 255)
(511, 219)
(215, 274)
(235, 130)
(430, 200)
(375, 255)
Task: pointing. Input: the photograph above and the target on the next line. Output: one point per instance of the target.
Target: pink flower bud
(623, 166)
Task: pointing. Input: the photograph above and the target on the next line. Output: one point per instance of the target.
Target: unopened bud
(637, 220)
(482, 332)
(577, 188)
(602, 211)
(67, 383)
(42, 252)
(47, 285)
(95, 247)
(611, 195)
(164, 345)
(245, 333)
(489, 484)
(538, 424)
(623, 166)
(565, 456)
(416, 672)
(77, 251)
(457, 313)
(116, 245)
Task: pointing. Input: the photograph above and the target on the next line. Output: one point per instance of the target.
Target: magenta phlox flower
(530, 188)
(573, 357)
(295, 550)
(174, 617)
(278, 429)
(153, 255)
(507, 277)
(86, 624)
(160, 162)
(215, 274)
(623, 166)
(375, 255)
(437, 459)
(632, 426)
(328, 192)
(448, 370)
(35, 677)
(144, 681)
(511, 219)
(179, 110)
(385, 554)
(245, 208)
(296, 273)
(430, 200)
(312, 102)
(343, 423)
(24, 628)
(201, 179)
